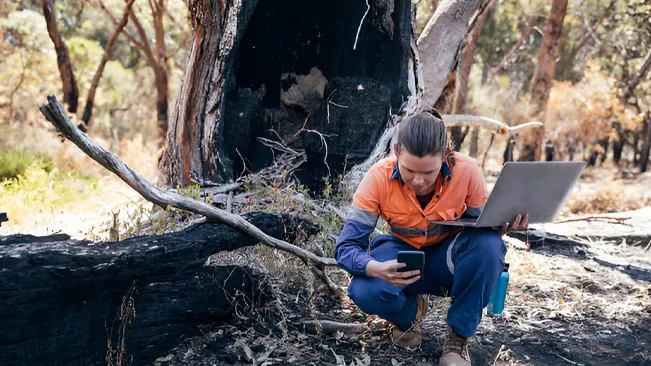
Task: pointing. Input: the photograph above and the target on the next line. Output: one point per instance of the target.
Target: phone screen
(414, 259)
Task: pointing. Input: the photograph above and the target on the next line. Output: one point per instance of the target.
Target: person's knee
(373, 298)
(487, 246)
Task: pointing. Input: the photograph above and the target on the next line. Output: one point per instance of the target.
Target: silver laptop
(536, 188)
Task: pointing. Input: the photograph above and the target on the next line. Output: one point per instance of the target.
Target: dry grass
(55, 185)
(602, 191)
(613, 198)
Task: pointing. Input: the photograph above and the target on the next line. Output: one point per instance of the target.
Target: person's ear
(395, 149)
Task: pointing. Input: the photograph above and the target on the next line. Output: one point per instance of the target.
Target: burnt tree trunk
(533, 140)
(258, 66)
(67, 302)
(70, 89)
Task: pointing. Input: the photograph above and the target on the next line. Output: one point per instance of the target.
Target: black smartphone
(414, 259)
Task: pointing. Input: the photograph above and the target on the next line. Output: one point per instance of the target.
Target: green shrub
(14, 163)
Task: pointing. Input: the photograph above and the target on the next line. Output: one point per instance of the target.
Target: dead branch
(225, 198)
(591, 218)
(229, 202)
(222, 189)
(330, 326)
(332, 287)
(54, 112)
(490, 124)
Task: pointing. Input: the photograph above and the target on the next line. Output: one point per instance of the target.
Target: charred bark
(257, 66)
(80, 303)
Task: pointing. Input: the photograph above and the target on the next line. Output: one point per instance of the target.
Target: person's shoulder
(384, 167)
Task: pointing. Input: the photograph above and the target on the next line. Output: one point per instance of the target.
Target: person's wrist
(371, 266)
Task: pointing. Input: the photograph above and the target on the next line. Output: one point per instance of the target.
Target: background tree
(70, 89)
(151, 43)
(92, 91)
(533, 140)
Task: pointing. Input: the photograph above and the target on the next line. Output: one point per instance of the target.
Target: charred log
(70, 302)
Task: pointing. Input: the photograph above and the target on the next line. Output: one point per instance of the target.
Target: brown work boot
(455, 350)
(411, 338)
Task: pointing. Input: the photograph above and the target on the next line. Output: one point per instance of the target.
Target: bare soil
(575, 301)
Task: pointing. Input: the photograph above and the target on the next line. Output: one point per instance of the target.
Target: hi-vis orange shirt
(460, 189)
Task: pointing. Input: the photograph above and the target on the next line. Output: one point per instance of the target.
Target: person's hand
(388, 271)
(518, 224)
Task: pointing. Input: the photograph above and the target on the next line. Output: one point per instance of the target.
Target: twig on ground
(334, 289)
(223, 188)
(499, 353)
(590, 218)
(330, 326)
(570, 361)
(55, 113)
(229, 202)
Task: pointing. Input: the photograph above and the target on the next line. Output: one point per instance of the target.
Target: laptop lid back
(536, 188)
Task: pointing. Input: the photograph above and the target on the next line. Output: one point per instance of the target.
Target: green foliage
(85, 55)
(27, 65)
(14, 163)
(43, 188)
(26, 28)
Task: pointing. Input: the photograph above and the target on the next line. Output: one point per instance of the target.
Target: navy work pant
(465, 266)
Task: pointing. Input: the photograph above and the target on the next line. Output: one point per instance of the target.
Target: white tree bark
(440, 44)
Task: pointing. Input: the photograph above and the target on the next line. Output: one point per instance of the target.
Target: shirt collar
(445, 171)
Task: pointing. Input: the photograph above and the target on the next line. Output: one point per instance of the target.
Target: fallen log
(68, 302)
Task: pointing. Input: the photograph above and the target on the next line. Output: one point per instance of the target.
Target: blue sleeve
(351, 252)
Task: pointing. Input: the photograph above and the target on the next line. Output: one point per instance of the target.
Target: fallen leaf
(366, 361)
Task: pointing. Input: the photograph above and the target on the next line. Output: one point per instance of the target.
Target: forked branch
(55, 113)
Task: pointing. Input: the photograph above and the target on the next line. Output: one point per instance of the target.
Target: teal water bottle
(496, 302)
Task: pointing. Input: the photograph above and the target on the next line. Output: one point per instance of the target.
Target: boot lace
(456, 344)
